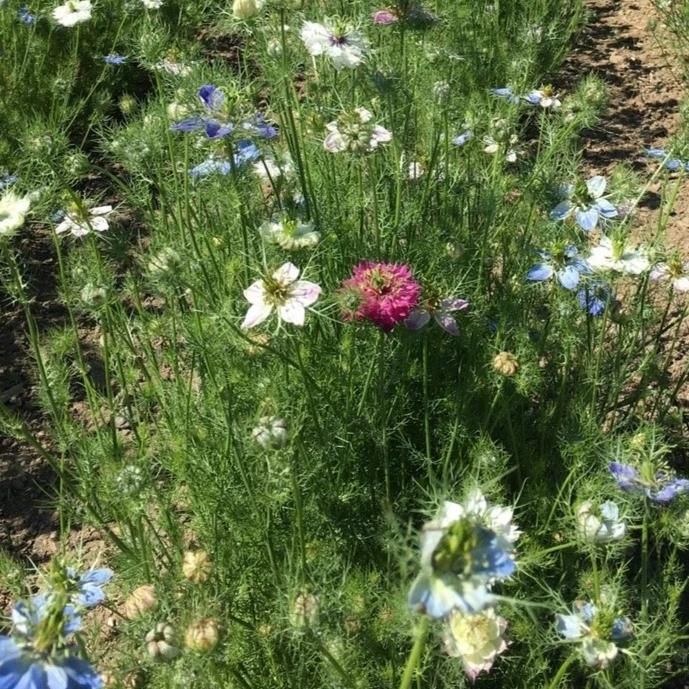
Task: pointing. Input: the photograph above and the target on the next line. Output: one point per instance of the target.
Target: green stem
(561, 672)
(415, 654)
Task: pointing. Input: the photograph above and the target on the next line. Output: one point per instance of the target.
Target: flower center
(454, 552)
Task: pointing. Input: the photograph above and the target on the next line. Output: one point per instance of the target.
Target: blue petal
(596, 186)
(503, 92)
(216, 130)
(568, 277)
(606, 209)
(673, 164)
(561, 211)
(97, 576)
(587, 218)
(81, 673)
(655, 152)
(190, 124)
(462, 138)
(540, 272)
(569, 626)
(56, 677)
(211, 96)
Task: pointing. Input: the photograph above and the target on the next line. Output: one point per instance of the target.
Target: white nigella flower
(73, 12)
(271, 433)
(476, 639)
(344, 46)
(81, 222)
(152, 4)
(282, 291)
(600, 524)
(675, 270)
(544, 97)
(270, 168)
(354, 132)
(412, 170)
(245, 9)
(289, 233)
(617, 256)
(491, 146)
(13, 210)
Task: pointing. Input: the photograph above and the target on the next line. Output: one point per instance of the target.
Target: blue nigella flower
(259, 126)
(506, 93)
(565, 264)
(462, 138)
(7, 181)
(661, 488)
(22, 667)
(245, 151)
(25, 16)
(27, 615)
(671, 164)
(114, 59)
(211, 96)
(595, 297)
(587, 211)
(89, 585)
(544, 97)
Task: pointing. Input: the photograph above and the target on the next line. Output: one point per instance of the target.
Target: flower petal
(587, 218)
(417, 319)
(292, 311)
(561, 211)
(568, 277)
(305, 292)
(596, 186)
(540, 272)
(606, 209)
(286, 274)
(256, 314)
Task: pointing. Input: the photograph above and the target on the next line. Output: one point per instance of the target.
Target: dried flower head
(140, 600)
(161, 643)
(196, 566)
(202, 635)
(506, 364)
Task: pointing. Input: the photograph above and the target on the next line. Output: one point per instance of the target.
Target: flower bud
(161, 643)
(506, 364)
(196, 566)
(203, 635)
(245, 9)
(140, 600)
(305, 610)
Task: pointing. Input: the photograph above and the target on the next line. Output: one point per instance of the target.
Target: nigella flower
(13, 210)
(659, 486)
(595, 297)
(589, 204)
(290, 233)
(476, 639)
(385, 17)
(7, 180)
(463, 138)
(601, 523)
(596, 631)
(80, 221)
(383, 293)
(676, 270)
(259, 126)
(545, 98)
(563, 263)
(73, 12)
(464, 551)
(25, 16)
(213, 99)
(506, 93)
(355, 132)
(671, 164)
(245, 151)
(114, 59)
(22, 666)
(345, 46)
(282, 291)
(27, 616)
(615, 255)
(441, 310)
(89, 585)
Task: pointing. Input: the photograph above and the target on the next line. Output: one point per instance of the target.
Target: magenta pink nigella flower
(385, 17)
(383, 293)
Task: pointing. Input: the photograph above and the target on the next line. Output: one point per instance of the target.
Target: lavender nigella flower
(545, 98)
(245, 151)
(441, 310)
(562, 262)
(588, 204)
(660, 487)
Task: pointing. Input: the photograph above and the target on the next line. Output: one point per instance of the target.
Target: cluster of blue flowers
(40, 653)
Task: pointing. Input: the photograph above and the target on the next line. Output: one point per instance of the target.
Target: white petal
(681, 284)
(99, 224)
(256, 314)
(292, 311)
(305, 292)
(286, 274)
(101, 210)
(596, 186)
(255, 293)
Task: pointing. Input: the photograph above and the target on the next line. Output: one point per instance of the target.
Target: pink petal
(256, 314)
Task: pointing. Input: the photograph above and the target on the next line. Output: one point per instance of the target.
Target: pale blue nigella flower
(27, 615)
(507, 93)
(211, 96)
(565, 264)
(660, 487)
(114, 59)
(90, 585)
(7, 181)
(463, 138)
(671, 164)
(245, 151)
(25, 16)
(587, 211)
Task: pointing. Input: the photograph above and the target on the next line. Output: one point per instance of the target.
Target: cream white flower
(13, 210)
(245, 9)
(282, 291)
(177, 69)
(618, 256)
(152, 4)
(354, 132)
(477, 639)
(289, 233)
(345, 47)
(271, 432)
(73, 12)
(600, 524)
(80, 223)
(677, 271)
